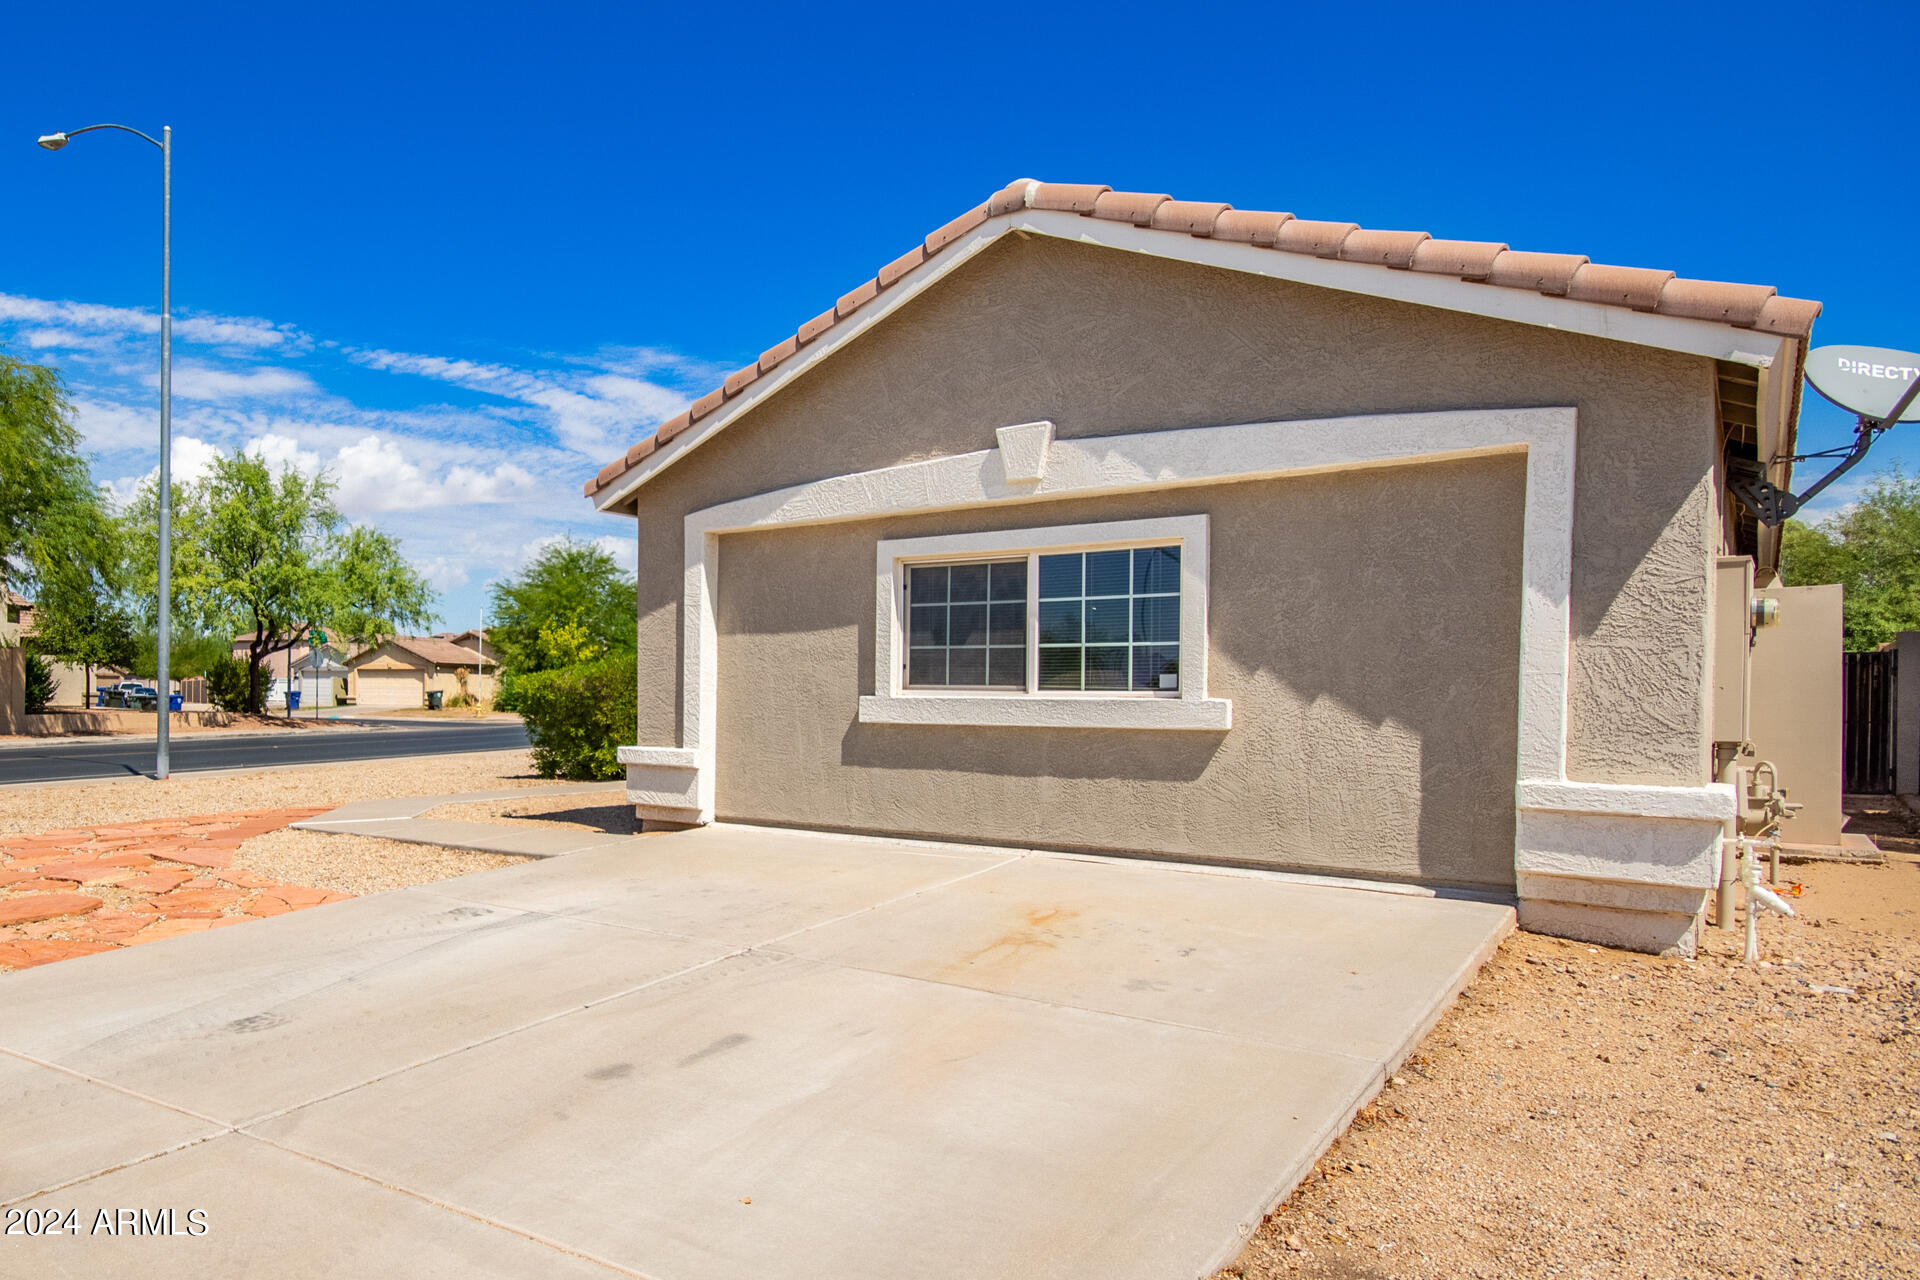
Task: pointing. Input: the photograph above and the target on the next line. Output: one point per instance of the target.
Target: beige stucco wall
(1328, 612)
(1795, 717)
(1101, 342)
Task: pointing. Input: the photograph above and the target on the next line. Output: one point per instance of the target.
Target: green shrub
(579, 717)
(227, 685)
(40, 683)
(506, 695)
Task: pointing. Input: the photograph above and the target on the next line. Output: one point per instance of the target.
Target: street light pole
(54, 142)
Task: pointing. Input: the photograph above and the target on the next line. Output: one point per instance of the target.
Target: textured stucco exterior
(1399, 763)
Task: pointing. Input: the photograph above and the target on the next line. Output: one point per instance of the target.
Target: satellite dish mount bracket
(1773, 506)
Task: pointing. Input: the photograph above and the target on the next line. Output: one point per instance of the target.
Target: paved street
(104, 758)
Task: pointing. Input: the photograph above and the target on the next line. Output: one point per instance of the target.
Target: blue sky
(465, 256)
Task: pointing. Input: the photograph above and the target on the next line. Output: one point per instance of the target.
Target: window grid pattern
(967, 625)
(1102, 621)
(1110, 620)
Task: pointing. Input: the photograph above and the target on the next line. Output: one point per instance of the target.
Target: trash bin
(433, 699)
(293, 700)
(175, 701)
(100, 697)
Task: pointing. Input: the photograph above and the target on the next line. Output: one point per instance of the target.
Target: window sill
(1206, 714)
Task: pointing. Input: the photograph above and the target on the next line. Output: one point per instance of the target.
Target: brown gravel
(24, 810)
(611, 813)
(358, 864)
(1588, 1112)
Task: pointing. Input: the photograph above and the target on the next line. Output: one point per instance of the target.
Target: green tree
(270, 555)
(81, 614)
(572, 603)
(41, 470)
(1872, 548)
(372, 591)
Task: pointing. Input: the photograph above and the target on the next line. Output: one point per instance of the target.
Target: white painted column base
(1625, 866)
(664, 784)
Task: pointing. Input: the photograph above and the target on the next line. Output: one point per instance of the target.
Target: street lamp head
(53, 141)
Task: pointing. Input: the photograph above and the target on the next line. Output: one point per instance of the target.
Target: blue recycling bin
(293, 700)
(100, 697)
(175, 701)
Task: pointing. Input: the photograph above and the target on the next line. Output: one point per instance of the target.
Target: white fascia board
(1672, 333)
(1450, 293)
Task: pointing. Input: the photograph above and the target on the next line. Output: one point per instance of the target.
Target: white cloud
(593, 414)
(217, 331)
(283, 453)
(625, 551)
(443, 574)
(475, 472)
(203, 382)
(192, 459)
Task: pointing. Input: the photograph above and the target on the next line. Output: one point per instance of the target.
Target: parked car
(129, 693)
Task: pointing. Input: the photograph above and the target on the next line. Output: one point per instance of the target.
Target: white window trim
(894, 703)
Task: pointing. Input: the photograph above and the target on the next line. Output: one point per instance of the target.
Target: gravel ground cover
(24, 810)
(1589, 1112)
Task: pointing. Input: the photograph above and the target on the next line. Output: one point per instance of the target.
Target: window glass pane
(947, 624)
(928, 584)
(1107, 572)
(1007, 668)
(966, 666)
(1009, 580)
(1059, 622)
(1107, 667)
(1156, 570)
(1009, 624)
(929, 626)
(1156, 666)
(969, 582)
(1060, 668)
(966, 623)
(927, 666)
(1157, 618)
(1060, 576)
(1107, 621)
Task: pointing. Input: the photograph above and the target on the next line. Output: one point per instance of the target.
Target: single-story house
(402, 671)
(1100, 520)
(71, 686)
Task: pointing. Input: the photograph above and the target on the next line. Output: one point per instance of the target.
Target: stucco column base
(664, 785)
(1625, 866)
(1662, 920)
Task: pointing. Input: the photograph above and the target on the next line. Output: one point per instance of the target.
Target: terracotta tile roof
(1568, 275)
(440, 652)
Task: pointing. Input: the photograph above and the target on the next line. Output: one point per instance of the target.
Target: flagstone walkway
(83, 890)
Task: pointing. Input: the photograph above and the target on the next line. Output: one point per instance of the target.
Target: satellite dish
(1869, 381)
(1879, 385)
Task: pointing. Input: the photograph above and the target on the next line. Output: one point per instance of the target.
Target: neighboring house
(69, 680)
(401, 672)
(472, 638)
(1111, 522)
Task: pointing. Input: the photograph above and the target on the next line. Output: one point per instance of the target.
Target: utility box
(1732, 648)
(1794, 711)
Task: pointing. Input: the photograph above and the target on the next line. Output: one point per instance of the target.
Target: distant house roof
(432, 650)
(18, 601)
(1568, 276)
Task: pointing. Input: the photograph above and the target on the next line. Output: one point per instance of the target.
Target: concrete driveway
(721, 1053)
